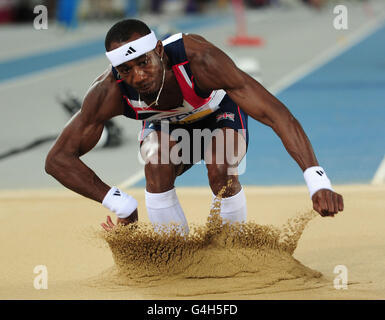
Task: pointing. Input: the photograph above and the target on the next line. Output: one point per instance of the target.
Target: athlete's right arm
(79, 136)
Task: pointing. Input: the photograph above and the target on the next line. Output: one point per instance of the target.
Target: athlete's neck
(169, 86)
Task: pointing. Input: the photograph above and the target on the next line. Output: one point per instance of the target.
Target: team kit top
(196, 104)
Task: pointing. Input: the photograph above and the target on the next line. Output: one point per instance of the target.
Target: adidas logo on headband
(130, 50)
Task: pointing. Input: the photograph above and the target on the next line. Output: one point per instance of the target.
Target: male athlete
(187, 83)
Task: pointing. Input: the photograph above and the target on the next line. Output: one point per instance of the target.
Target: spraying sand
(215, 258)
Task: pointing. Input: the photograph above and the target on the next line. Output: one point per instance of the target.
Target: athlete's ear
(159, 49)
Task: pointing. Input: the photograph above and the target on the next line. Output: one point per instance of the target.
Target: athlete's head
(134, 51)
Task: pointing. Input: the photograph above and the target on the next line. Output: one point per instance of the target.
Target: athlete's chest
(178, 101)
(171, 96)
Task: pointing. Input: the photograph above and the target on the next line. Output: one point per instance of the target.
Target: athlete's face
(144, 73)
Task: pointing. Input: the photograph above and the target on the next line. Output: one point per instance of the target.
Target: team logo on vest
(225, 116)
(130, 50)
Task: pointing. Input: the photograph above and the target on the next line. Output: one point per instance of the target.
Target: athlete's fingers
(105, 227)
(317, 206)
(109, 221)
(329, 202)
(325, 203)
(340, 202)
(335, 203)
(323, 206)
(334, 210)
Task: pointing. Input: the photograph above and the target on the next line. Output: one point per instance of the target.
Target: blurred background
(332, 79)
(69, 11)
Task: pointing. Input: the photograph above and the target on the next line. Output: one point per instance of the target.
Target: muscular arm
(213, 69)
(79, 136)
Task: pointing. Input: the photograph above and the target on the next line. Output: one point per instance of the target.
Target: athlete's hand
(110, 225)
(327, 202)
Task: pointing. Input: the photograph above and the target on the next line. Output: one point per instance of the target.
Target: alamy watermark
(41, 280)
(340, 21)
(221, 147)
(41, 20)
(341, 280)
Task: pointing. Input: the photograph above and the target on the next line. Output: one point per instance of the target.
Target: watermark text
(340, 21)
(41, 20)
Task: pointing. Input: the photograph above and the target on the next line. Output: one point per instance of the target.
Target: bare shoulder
(212, 68)
(103, 99)
(197, 47)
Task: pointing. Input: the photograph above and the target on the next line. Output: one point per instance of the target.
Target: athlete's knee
(220, 175)
(159, 177)
(228, 147)
(154, 151)
(150, 151)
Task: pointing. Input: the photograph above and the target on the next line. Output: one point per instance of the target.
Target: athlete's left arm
(213, 69)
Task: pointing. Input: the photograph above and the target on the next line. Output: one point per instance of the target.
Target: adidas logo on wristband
(320, 172)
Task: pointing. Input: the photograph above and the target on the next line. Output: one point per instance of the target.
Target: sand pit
(284, 251)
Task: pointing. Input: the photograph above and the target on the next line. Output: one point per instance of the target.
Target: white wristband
(316, 179)
(120, 203)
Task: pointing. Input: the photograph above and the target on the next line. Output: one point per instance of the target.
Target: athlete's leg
(222, 157)
(227, 151)
(159, 170)
(162, 203)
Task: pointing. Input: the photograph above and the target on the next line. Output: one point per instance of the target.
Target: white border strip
(184, 73)
(379, 176)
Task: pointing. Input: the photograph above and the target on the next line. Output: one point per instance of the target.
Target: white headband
(132, 50)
